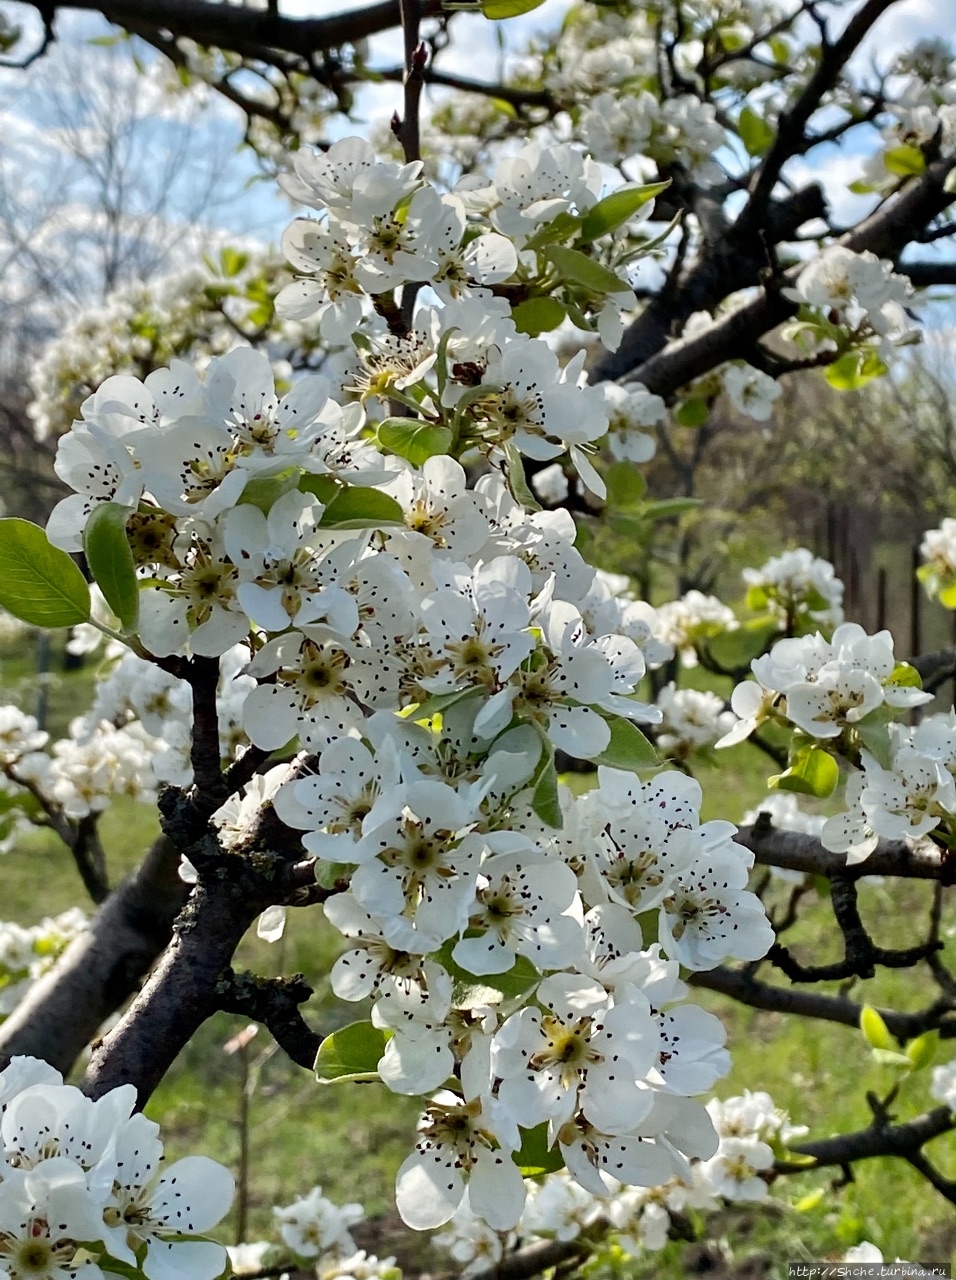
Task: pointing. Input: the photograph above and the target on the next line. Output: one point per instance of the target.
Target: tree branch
(251, 31)
(796, 851)
(886, 232)
(275, 1003)
(791, 126)
(62, 1012)
(878, 1140)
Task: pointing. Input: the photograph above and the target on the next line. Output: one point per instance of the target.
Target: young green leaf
(614, 210)
(755, 132)
(875, 1030)
(626, 486)
(906, 161)
(578, 268)
(360, 508)
(414, 439)
(351, 1053)
(922, 1050)
(111, 561)
(498, 10)
(538, 315)
(628, 748)
(544, 795)
(812, 772)
(854, 369)
(693, 412)
(535, 1157)
(39, 583)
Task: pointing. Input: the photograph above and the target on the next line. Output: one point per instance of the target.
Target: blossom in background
(750, 391)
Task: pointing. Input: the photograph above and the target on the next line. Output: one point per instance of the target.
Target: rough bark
(101, 968)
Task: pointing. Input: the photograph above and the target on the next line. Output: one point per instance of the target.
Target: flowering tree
(351, 636)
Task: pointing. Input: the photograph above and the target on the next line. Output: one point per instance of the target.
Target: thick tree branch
(252, 32)
(62, 1012)
(731, 259)
(886, 232)
(746, 989)
(796, 851)
(181, 992)
(923, 275)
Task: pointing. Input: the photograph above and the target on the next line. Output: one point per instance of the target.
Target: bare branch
(921, 860)
(791, 127)
(885, 232)
(62, 1012)
(745, 988)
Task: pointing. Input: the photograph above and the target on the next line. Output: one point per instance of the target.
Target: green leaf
(873, 731)
(875, 1031)
(470, 991)
(498, 10)
(538, 315)
(516, 477)
(922, 1050)
(534, 1157)
(693, 412)
(904, 676)
(544, 795)
(325, 488)
(949, 182)
(626, 486)
(232, 261)
(947, 596)
(578, 268)
(614, 210)
(111, 561)
(755, 132)
(757, 599)
(906, 161)
(810, 1201)
(359, 508)
(414, 439)
(628, 748)
(263, 491)
(39, 583)
(891, 1058)
(352, 1053)
(854, 369)
(561, 227)
(438, 702)
(113, 1267)
(812, 772)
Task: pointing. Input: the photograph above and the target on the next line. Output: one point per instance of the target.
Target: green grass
(351, 1139)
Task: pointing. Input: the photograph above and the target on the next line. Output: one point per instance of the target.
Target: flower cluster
(83, 1190)
(191, 314)
(857, 291)
(27, 953)
(938, 571)
(456, 876)
(693, 620)
(906, 790)
(824, 687)
(693, 720)
(427, 643)
(799, 588)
